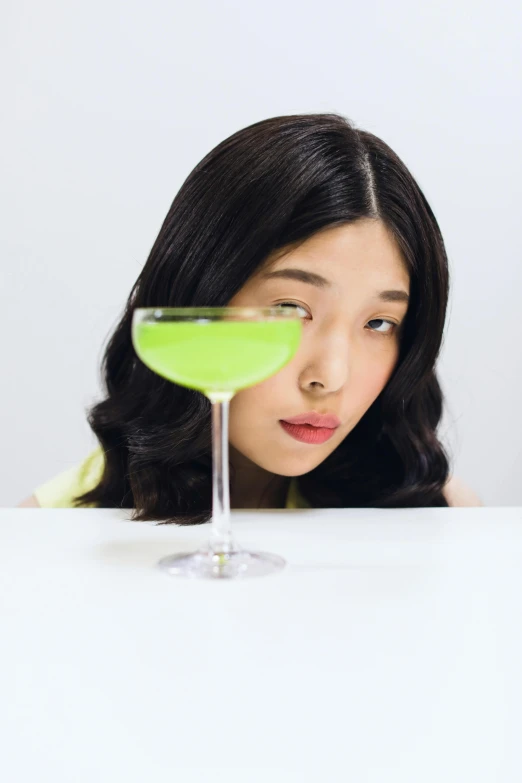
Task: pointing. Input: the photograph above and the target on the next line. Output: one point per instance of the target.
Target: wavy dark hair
(270, 185)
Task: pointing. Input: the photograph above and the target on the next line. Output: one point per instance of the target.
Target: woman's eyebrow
(321, 282)
(301, 275)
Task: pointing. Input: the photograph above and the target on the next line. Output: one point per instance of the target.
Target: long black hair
(272, 184)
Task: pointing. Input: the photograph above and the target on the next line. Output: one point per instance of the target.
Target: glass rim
(216, 312)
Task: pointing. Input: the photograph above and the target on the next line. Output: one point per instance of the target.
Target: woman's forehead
(351, 252)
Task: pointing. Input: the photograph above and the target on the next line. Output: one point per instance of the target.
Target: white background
(108, 106)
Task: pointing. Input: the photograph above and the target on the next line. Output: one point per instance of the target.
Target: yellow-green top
(60, 490)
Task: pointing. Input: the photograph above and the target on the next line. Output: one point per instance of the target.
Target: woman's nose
(327, 367)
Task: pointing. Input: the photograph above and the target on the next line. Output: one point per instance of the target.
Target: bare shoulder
(459, 494)
(30, 502)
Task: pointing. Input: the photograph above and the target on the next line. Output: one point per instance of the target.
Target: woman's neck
(254, 487)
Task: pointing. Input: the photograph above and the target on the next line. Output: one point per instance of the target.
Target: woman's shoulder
(60, 491)
(457, 493)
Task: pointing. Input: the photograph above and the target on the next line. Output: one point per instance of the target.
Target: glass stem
(221, 540)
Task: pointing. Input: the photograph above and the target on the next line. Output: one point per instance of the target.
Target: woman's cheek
(375, 379)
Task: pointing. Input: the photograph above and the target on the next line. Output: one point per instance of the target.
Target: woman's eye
(391, 326)
(378, 325)
(303, 313)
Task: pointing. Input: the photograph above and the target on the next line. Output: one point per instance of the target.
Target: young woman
(307, 211)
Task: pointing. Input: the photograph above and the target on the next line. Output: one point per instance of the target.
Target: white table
(389, 649)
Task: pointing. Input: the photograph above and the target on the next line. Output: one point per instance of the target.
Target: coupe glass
(217, 351)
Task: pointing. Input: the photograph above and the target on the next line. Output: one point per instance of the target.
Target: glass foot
(215, 565)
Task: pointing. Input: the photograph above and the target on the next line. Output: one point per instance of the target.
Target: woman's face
(349, 345)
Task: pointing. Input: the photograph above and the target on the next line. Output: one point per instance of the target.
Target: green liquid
(217, 356)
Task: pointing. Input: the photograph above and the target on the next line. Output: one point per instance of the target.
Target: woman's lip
(306, 433)
(315, 419)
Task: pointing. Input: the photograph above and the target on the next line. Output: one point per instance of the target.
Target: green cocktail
(217, 351)
(217, 356)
